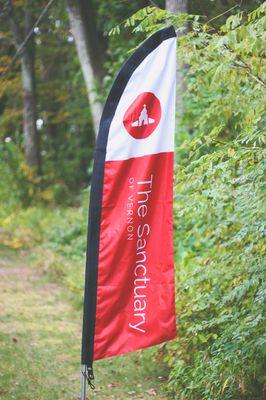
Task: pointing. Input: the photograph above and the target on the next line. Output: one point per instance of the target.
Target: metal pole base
(83, 383)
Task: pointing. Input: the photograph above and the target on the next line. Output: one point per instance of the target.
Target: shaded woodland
(53, 85)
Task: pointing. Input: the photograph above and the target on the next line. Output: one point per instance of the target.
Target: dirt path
(40, 343)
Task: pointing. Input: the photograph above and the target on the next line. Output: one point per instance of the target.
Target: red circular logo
(143, 115)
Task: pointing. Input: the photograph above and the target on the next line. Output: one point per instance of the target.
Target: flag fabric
(129, 299)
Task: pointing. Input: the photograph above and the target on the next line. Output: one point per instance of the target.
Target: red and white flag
(129, 291)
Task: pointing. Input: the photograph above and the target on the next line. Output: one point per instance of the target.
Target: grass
(40, 342)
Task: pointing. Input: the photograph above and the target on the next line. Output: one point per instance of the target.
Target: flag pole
(83, 383)
(117, 156)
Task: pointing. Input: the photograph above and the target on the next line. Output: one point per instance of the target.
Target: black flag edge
(94, 218)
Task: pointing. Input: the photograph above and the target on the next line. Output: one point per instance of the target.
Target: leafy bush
(17, 183)
(56, 238)
(219, 211)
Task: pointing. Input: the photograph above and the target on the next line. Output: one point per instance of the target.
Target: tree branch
(243, 64)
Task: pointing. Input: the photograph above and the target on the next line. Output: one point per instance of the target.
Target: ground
(40, 343)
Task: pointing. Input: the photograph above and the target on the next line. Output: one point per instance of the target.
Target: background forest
(51, 98)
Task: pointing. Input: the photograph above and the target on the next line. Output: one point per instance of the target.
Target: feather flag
(129, 286)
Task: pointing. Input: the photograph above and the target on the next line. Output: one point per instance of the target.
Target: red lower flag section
(135, 298)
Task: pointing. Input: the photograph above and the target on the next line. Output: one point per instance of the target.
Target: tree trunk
(90, 51)
(31, 138)
(32, 145)
(178, 7)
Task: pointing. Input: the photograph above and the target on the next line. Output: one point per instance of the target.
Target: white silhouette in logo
(143, 118)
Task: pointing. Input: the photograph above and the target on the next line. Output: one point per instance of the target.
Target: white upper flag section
(144, 120)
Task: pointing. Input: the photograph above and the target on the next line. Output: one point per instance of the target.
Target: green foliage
(150, 19)
(17, 184)
(67, 137)
(57, 240)
(219, 209)
(66, 134)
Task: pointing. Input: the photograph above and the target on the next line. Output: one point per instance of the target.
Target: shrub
(219, 211)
